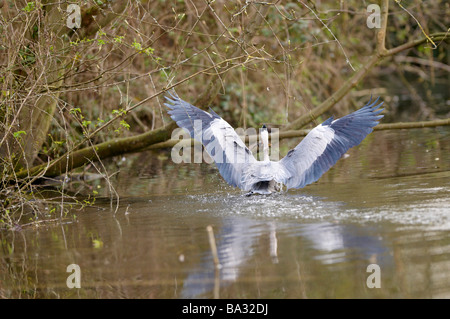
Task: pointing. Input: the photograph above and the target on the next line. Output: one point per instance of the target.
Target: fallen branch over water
(131, 144)
(303, 132)
(407, 125)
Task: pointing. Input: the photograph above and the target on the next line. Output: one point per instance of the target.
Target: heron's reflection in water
(237, 243)
(234, 246)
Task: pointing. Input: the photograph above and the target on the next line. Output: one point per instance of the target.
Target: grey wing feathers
(220, 140)
(187, 115)
(325, 145)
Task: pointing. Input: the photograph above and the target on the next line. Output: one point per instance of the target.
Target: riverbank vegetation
(76, 95)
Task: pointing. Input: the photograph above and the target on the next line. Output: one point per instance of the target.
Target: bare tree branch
(381, 53)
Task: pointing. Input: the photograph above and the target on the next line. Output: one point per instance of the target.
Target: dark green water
(387, 204)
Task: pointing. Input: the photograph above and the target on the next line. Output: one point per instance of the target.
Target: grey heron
(321, 148)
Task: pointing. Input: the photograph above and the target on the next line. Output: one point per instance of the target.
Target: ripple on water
(433, 212)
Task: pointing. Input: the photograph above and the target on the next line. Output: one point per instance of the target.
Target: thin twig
(326, 27)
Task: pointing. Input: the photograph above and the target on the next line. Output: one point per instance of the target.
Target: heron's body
(304, 164)
(262, 178)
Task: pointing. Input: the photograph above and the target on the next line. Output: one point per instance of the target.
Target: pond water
(386, 204)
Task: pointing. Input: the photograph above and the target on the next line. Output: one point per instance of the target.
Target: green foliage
(119, 38)
(136, 45)
(86, 123)
(31, 6)
(99, 122)
(125, 124)
(119, 112)
(18, 134)
(149, 51)
(75, 111)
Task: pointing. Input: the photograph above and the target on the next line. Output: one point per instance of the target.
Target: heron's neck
(265, 142)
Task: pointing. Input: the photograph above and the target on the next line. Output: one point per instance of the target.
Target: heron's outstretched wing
(325, 144)
(220, 140)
